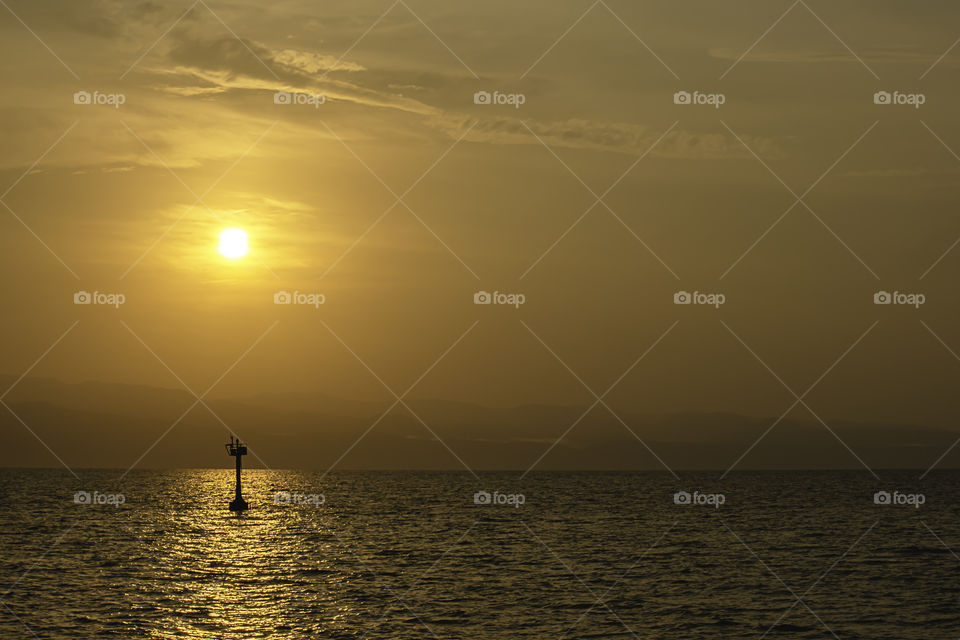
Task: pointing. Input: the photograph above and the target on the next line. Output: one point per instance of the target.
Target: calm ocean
(444, 555)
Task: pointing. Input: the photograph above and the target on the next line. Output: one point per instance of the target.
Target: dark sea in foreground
(413, 555)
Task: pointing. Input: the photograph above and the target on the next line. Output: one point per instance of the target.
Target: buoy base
(239, 505)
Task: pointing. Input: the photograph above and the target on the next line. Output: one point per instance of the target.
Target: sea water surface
(447, 555)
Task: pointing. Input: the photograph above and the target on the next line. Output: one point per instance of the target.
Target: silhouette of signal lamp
(237, 449)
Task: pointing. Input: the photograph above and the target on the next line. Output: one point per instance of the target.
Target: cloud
(201, 68)
(308, 62)
(899, 173)
(889, 55)
(224, 65)
(619, 137)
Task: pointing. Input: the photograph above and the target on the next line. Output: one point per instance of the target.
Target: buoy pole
(238, 497)
(237, 449)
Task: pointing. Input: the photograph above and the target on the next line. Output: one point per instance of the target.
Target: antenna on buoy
(237, 449)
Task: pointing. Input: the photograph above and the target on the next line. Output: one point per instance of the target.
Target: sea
(551, 555)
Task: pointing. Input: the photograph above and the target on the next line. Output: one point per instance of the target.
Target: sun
(233, 243)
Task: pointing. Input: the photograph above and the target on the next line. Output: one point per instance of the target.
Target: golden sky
(399, 197)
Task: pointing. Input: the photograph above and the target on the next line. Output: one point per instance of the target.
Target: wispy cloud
(619, 137)
(833, 55)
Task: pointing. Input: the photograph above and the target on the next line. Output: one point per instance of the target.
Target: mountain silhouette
(108, 425)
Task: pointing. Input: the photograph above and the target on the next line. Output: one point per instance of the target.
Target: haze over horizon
(128, 427)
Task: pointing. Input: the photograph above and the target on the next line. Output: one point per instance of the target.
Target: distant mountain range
(105, 425)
